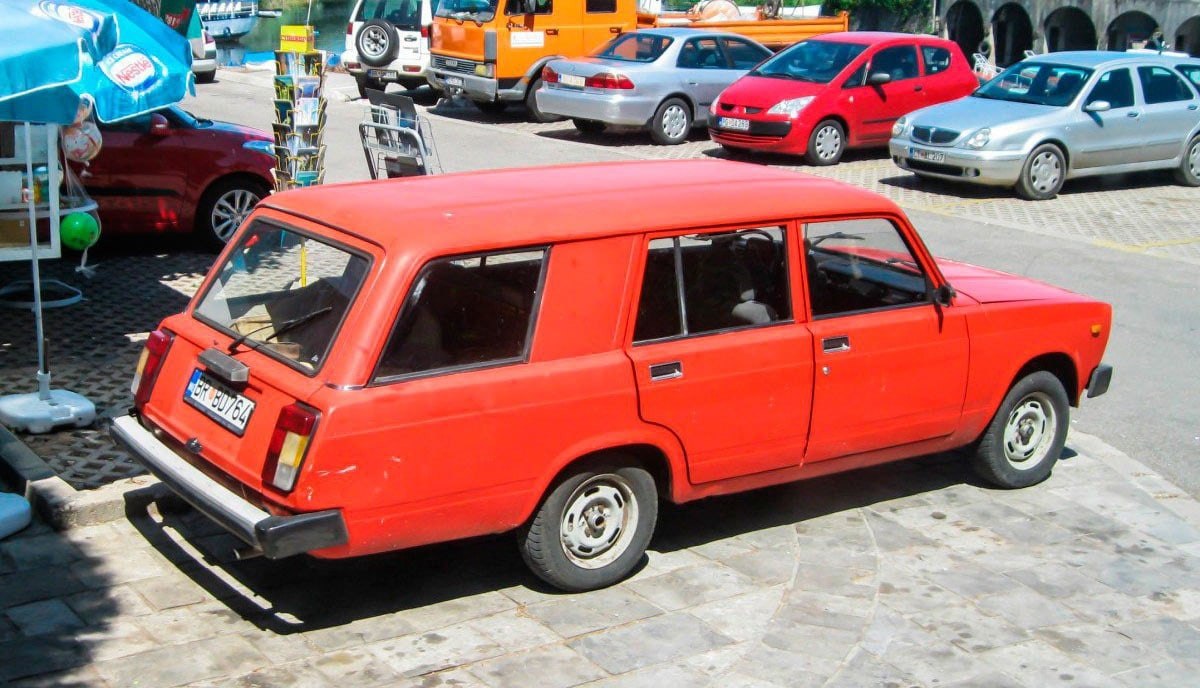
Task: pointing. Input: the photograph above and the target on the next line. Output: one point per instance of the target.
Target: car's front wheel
(593, 527)
(672, 122)
(1026, 436)
(1188, 172)
(224, 207)
(826, 143)
(1043, 175)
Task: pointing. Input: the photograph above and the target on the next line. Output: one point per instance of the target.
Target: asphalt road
(1152, 410)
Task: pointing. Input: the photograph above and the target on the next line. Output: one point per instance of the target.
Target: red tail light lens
(608, 80)
(424, 32)
(289, 444)
(148, 366)
(549, 76)
(350, 29)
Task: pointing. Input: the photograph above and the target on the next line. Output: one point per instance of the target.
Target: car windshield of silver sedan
(812, 60)
(634, 47)
(1054, 85)
(473, 10)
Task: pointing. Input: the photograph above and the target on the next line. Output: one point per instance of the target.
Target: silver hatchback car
(661, 79)
(1060, 116)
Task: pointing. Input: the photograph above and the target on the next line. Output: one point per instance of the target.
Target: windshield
(284, 293)
(812, 60)
(1036, 83)
(634, 47)
(472, 10)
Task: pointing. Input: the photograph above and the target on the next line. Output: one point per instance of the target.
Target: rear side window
(936, 59)
(1116, 87)
(601, 6)
(1161, 85)
(635, 47)
(744, 54)
(466, 312)
(401, 13)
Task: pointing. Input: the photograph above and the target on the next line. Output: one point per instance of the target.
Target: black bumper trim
(1099, 380)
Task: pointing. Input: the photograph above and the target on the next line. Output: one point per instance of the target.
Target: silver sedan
(661, 79)
(1060, 116)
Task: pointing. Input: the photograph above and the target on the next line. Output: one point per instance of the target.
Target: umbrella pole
(43, 376)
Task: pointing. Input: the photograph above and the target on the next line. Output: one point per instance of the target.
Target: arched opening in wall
(1069, 28)
(964, 26)
(1187, 38)
(1131, 30)
(1013, 33)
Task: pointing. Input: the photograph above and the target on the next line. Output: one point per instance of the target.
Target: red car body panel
(866, 112)
(461, 454)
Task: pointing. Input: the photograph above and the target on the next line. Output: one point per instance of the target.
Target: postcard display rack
(299, 118)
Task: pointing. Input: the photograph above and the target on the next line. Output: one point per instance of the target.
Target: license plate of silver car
(573, 80)
(927, 156)
(733, 123)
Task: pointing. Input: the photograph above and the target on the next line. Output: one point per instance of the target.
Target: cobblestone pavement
(902, 575)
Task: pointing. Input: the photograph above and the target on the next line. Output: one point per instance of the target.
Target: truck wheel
(826, 144)
(592, 528)
(1043, 174)
(376, 43)
(535, 113)
(1188, 172)
(1026, 436)
(672, 122)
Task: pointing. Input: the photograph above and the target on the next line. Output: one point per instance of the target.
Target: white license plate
(733, 123)
(218, 402)
(383, 74)
(572, 80)
(928, 156)
(454, 81)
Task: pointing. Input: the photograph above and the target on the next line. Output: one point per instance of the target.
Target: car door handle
(1193, 106)
(693, 83)
(666, 371)
(551, 32)
(614, 29)
(833, 345)
(1133, 114)
(918, 88)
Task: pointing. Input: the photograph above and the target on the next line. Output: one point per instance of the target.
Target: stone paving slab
(911, 574)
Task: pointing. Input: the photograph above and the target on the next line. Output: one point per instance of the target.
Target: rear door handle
(666, 371)
(1133, 114)
(832, 345)
(918, 88)
(1193, 106)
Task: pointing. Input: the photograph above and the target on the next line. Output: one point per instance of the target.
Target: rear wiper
(286, 326)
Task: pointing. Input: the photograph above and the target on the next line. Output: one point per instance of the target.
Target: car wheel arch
(241, 176)
(1062, 148)
(682, 96)
(1058, 364)
(847, 131)
(535, 72)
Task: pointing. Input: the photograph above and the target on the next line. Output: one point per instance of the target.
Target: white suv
(387, 41)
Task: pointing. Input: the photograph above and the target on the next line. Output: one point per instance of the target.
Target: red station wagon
(345, 382)
(842, 90)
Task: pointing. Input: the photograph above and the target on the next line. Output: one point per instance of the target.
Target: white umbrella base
(38, 412)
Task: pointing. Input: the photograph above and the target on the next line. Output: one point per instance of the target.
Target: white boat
(228, 20)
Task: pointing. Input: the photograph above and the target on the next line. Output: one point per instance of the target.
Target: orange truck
(493, 51)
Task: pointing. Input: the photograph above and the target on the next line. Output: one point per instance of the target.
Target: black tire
(376, 43)
(364, 83)
(1043, 174)
(206, 77)
(672, 122)
(224, 207)
(826, 143)
(1026, 436)
(600, 552)
(588, 126)
(535, 113)
(1188, 172)
(494, 107)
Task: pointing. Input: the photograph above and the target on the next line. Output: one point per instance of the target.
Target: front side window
(634, 47)
(701, 283)
(284, 293)
(936, 59)
(1036, 83)
(898, 62)
(1161, 85)
(701, 53)
(465, 312)
(860, 265)
(521, 6)
(1115, 87)
(812, 60)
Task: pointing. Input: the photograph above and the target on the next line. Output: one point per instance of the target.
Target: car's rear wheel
(536, 113)
(593, 527)
(376, 43)
(672, 122)
(1026, 436)
(1043, 175)
(1188, 172)
(588, 126)
(826, 143)
(224, 207)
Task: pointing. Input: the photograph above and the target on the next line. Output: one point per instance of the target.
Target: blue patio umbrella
(53, 55)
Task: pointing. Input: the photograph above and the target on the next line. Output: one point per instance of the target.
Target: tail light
(608, 80)
(288, 445)
(549, 76)
(424, 32)
(350, 29)
(148, 365)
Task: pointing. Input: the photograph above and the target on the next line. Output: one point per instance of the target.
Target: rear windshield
(1054, 85)
(405, 14)
(811, 60)
(284, 293)
(634, 47)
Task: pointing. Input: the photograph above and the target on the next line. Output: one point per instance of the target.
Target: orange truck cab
(493, 51)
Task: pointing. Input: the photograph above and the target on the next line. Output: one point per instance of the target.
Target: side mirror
(1098, 106)
(944, 295)
(879, 79)
(159, 126)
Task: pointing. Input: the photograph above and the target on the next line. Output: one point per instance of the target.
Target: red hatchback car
(842, 90)
(168, 171)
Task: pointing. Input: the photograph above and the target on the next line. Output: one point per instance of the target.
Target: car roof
(683, 32)
(477, 211)
(1103, 58)
(876, 37)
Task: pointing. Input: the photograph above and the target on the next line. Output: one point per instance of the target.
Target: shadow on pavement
(619, 138)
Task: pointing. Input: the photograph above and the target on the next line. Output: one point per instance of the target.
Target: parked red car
(168, 171)
(344, 384)
(842, 90)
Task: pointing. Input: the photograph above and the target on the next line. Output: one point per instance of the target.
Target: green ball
(79, 231)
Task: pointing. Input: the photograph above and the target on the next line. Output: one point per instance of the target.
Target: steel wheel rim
(828, 142)
(230, 210)
(674, 122)
(373, 41)
(1029, 432)
(1045, 171)
(599, 521)
(1194, 158)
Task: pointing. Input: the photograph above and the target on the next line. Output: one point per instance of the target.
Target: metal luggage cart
(396, 141)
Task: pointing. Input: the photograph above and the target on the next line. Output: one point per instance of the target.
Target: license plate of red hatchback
(733, 123)
(227, 407)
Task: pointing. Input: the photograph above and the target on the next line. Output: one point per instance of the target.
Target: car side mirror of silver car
(1098, 106)
(879, 79)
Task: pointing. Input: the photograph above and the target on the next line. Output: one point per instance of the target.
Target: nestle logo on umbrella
(71, 14)
(130, 68)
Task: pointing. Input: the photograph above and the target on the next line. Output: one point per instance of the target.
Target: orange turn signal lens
(1097, 329)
